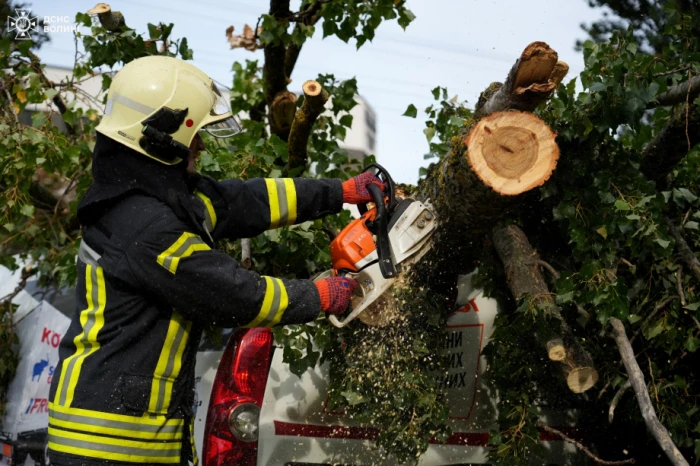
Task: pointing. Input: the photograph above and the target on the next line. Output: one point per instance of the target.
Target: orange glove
(355, 189)
(335, 293)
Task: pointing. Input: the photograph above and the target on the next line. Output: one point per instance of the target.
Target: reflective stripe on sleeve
(187, 244)
(92, 320)
(169, 364)
(118, 449)
(274, 304)
(209, 212)
(282, 196)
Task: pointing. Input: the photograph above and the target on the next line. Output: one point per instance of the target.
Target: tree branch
(616, 399)
(308, 17)
(246, 257)
(687, 255)
(525, 279)
(315, 98)
(657, 308)
(580, 446)
(531, 80)
(670, 145)
(642, 393)
(678, 93)
(273, 71)
(679, 285)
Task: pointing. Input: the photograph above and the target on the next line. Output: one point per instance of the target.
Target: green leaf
(622, 205)
(28, 210)
(436, 93)
(353, 398)
(154, 31)
(692, 343)
(662, 242)
(602, 231)
(693, 306)
(429, 133)
(692, 225)
(411, 111)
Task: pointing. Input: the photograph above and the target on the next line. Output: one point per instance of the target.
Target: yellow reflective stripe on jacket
(187, 244)
(147, 427)
(117, 449)
(92, 320)
(274, 304)
(195, 457)
(169, 364)
(210, 213)
(282, 196)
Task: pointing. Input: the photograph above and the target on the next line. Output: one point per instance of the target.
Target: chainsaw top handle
(385, 178)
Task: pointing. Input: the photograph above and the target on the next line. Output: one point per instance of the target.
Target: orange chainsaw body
(349, 250)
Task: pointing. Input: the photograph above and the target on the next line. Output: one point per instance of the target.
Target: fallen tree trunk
(502, 156)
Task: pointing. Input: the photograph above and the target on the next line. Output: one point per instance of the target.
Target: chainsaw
(374, 248)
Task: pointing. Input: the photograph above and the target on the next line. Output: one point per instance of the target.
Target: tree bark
(315, 98)
(687, 254)
(310, 17)
(671, 145)
(525, 279)
(640, 390)
(688, 90)
(532, 79)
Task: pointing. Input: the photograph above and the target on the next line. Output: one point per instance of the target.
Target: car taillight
(231, 432)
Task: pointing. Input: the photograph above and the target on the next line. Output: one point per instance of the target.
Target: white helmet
(157, 104)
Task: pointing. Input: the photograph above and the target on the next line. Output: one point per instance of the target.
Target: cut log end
(512, 152)
(311, 88)
(100, 8)
(581, 379)
(556, 350)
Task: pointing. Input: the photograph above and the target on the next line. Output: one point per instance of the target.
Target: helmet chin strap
(156, 139)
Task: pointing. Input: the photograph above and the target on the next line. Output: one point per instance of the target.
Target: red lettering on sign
(471, 305)
(50, 337)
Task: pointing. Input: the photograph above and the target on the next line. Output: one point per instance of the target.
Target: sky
(463, 45)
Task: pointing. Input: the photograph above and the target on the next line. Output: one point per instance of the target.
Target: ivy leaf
(28, 210)
(622, 205)
(662, 242)
(602, 231)
(691, 225)
(353, 398)
(411, 111)
(692, 343)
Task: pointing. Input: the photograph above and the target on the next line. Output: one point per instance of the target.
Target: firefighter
(149, 279)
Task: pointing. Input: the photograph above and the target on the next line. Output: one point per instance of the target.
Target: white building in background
(360, 140)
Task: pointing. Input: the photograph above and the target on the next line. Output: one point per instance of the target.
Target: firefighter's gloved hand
(335, 293)
(355, 189)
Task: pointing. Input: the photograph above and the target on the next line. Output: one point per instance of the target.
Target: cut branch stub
(512, 152)
(531, 80)
(315, 98)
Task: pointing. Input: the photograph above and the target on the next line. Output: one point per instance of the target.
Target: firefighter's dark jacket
(148, 280)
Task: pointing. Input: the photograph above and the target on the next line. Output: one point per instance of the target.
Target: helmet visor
(224, 128)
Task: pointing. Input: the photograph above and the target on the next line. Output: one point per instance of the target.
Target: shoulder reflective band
(283, 201)
(117, 425)
(209, 212)
(92, 320)
(274, 304)
(116, 449)
(87, 254)
(169, 364)
(187, 244)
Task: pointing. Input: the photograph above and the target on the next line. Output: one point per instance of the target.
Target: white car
(260, 413)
